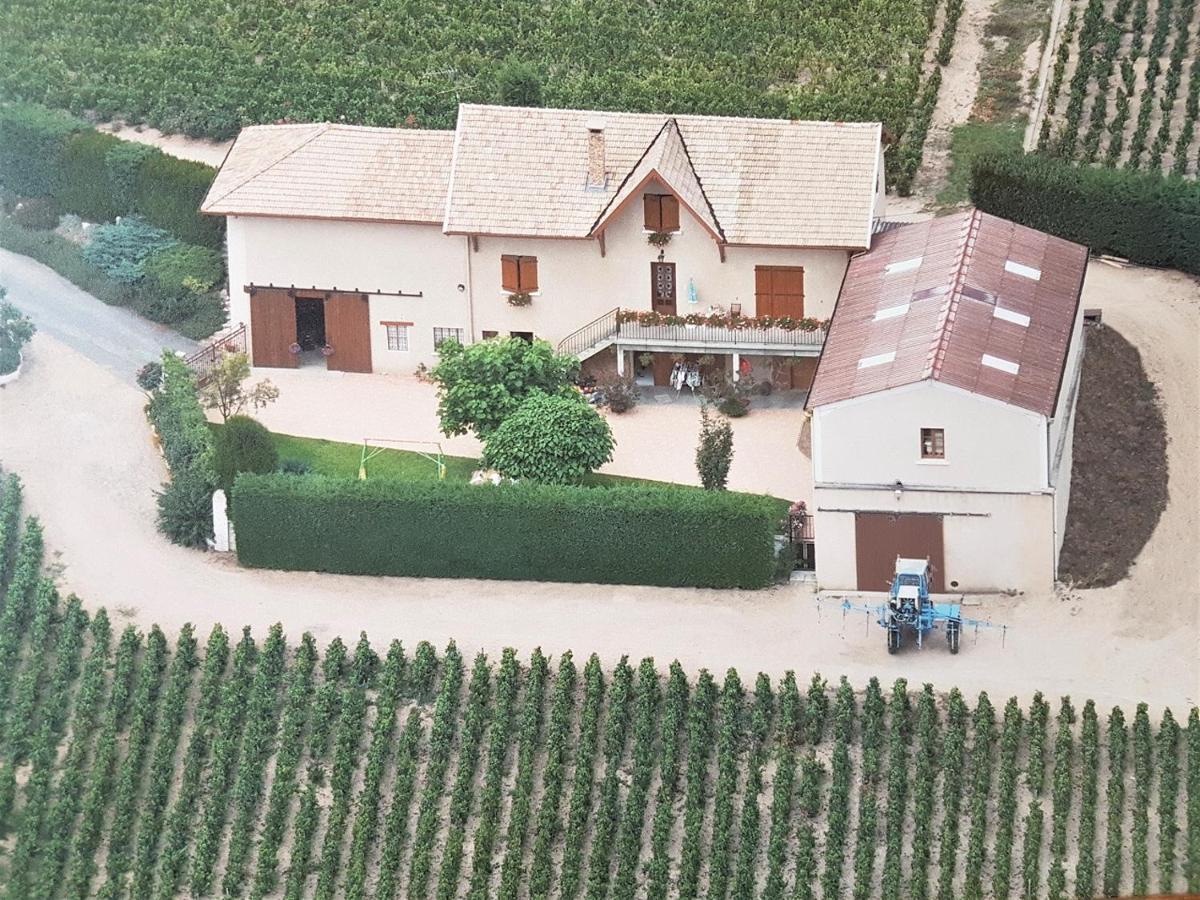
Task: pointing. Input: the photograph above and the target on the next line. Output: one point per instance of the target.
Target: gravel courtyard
(74, 430)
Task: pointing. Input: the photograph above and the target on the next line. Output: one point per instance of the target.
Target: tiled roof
(331, 171)
(522, 171)
(968, 299)
(667, 160)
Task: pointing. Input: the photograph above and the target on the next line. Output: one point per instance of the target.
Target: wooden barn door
(779, 291)
(348, 332)
(272, 328)
(880, 537)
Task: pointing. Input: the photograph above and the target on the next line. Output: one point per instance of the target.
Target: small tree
(714, 455)
(185, 509)
(548, 438)
(15, 332)
(243, 445)
(519, 84)
(227, 392)
(481, 385)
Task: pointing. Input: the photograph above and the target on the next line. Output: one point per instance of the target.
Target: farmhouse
(943, 407)
(631, 240)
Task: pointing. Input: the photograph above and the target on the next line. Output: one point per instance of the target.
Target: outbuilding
(943, 407)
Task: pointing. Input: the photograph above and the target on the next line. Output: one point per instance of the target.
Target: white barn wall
(1019, 525)
(876, 439)
(365, 256)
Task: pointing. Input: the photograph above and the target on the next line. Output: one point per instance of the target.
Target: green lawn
(336, 458)
(967, 142)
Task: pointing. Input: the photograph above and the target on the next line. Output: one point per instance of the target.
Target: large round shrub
(243, 444)
(550, 438)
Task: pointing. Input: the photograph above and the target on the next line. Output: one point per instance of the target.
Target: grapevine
(899, 734)
(674, 719)
(871, 746)
(549, 815)
(1061, 795)
(700, 745)
(750, 827)
(1006, 798)
(953, 751)
(1035, 777)
(581, 786)
(923, 793)
(1143, 770)
(837, 830)
(645, 731)
(1089, 754)
(782, 796)
(729, 733)
(1117, 738)
(1192, 866)
(1167, 750)
(983, 728)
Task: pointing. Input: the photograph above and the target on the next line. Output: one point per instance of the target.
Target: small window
(519, 273)
(662, 212)
(488, 335)
(397, 335)
(526, 336)
(933, 443)
(441, 335)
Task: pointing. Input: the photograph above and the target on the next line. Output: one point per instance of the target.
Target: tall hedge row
(619, 535)
(1145, 217)
(98, 176)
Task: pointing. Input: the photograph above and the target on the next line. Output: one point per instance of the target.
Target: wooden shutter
(510, 278)
(653, 220)
(670, 212)
(348, 331)
(527, 273)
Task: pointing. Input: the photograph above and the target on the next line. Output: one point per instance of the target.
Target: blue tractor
(909, 607)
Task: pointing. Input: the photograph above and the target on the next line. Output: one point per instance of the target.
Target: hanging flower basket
(659, 238)
(294, 349)
(520, 298)
(327, 350)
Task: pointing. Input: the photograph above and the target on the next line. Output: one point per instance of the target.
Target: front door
(779, 291)
(272, 327)
(348, 332)
(662, 287)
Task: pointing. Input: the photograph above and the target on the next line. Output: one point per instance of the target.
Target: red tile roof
(967, 299)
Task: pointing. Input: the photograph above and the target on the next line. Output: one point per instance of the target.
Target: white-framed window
(446, 334)
(397, 335)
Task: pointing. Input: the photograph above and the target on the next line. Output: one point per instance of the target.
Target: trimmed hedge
(1146, 218)
(98, 176)
(620, 535)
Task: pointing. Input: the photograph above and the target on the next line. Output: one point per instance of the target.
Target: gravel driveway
(75, 432)
(115, 338)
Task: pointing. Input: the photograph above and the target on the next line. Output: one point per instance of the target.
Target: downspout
(470, 291)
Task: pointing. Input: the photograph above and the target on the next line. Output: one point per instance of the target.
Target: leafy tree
(714, 455)
(227, 392)
(15, 332)
(481, 385)
(518, 84)
(556, 439)
(243, 445)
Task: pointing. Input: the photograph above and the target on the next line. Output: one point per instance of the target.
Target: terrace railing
(716, 337)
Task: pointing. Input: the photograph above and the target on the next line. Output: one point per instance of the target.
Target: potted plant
(520, 298)
(294, 348)
(659, 239)
(327, 350)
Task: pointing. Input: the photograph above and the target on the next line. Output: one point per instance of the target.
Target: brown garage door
(348, 331)
(272, 327)
(779, 291)
(880, 537)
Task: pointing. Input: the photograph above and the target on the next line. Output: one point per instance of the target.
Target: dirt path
(76, 434)
(210, 153)
(956, 97)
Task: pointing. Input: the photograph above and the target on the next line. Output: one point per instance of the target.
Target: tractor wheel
(893, 640)
(952, 631)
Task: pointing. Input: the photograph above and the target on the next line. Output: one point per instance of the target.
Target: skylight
(1023, 270)
(906, 265)
(878, 360)
(1008, 315)
(891, 312)
(995, 362)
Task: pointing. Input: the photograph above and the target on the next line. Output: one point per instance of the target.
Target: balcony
(647, 332)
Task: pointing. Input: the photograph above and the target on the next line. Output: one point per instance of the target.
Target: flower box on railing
(650, 318)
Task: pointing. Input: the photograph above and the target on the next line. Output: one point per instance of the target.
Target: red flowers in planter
(720, 320)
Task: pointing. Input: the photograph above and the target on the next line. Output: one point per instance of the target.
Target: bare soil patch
(1119, 480)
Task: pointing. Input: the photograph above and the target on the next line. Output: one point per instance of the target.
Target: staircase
(592, 337)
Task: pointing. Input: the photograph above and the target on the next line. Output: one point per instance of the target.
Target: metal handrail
(203, 360)
(591, 334)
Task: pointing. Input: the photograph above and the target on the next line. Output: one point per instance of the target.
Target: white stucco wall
(876, 439)
(577, 284)
(1007, 545)
(358, 256)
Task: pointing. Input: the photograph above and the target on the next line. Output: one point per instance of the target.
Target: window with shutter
(661, 212)
(518, 273)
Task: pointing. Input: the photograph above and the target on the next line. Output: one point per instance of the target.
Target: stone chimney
(597, 177)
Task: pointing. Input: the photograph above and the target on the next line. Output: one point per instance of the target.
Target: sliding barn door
(272, 328)
(348, 332)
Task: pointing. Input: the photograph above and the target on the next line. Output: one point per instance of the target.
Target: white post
(621, 362)
(220, 522)
(737, 366)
